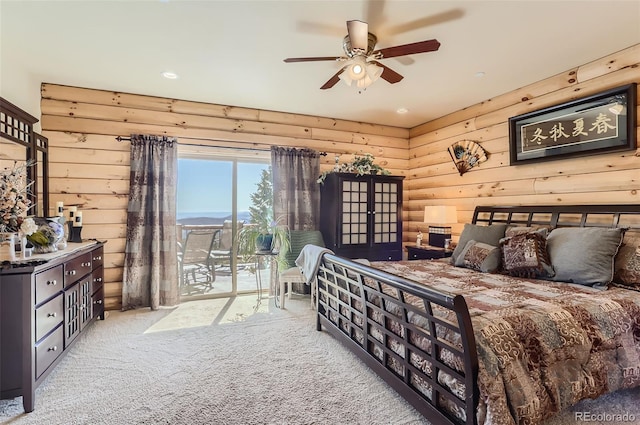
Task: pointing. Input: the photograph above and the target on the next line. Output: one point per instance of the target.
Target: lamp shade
(440, 214)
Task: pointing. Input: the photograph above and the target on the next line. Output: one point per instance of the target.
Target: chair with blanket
(292, 274)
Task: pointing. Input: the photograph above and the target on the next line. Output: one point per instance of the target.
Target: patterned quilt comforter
(542, 346)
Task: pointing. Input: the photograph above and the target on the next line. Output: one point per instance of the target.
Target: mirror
(19, 144)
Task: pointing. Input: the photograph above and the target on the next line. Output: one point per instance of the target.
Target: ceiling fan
(362, 66)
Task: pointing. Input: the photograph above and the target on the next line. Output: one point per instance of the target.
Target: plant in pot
(263, 237)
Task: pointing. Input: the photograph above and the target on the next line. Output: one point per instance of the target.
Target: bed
(466, 347)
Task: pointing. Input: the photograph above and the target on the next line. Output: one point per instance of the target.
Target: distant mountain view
(209, 218)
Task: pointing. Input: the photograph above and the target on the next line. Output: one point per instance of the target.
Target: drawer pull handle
(98, 302)
(51, 282)
(87, 264)
(54, 348)
(71, 273)
(99, 257)
(52, 315)
(97, 279)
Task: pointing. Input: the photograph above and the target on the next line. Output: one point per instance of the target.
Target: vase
(7, 246)
(263, 242)
(44, 249)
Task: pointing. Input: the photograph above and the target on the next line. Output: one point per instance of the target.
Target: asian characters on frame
(592, 125)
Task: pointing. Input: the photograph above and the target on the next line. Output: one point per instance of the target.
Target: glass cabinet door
(355, 212)
(385, 212)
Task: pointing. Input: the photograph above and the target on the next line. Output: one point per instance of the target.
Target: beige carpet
(225, 362)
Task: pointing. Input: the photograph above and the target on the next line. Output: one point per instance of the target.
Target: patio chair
(196, 266)
(222, 246)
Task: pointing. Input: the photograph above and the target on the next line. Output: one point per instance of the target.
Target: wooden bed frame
(341, 294)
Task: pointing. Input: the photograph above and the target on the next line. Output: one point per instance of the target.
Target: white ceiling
(231, 52)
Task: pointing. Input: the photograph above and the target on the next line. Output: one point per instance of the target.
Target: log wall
(90, 169)
(606, 178)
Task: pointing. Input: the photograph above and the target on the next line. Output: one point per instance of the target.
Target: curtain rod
(128, 139)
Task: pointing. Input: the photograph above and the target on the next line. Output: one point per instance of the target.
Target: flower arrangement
(360, 165)
(14, 192)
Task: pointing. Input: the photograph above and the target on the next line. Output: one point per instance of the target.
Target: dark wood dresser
(45, 303)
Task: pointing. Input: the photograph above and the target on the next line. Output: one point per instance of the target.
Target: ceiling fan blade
(436, 19)
(358, 34)
(409, 49)
(332, 81)
(325, 58)
(374, 13)
(388, 74)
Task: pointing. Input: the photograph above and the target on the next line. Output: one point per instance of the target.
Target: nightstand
(426, 252)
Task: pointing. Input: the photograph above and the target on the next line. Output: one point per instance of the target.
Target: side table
(270, 256)
(427, 252)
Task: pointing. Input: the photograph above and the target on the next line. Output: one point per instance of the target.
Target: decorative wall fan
(362, 66)
(466, 154)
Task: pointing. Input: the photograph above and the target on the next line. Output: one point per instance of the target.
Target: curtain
(150, 277)
(296, 192)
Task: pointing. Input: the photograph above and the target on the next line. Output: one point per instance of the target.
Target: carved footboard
(418, 340)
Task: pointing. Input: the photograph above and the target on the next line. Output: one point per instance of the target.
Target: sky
(205, 185)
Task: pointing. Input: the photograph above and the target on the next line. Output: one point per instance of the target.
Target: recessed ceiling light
(402, 110)
(170, 75)
(480, 74)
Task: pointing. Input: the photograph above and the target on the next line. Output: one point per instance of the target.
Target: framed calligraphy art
(605, 122)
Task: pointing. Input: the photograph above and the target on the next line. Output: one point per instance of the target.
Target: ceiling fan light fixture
(356, 68)
(364, 74)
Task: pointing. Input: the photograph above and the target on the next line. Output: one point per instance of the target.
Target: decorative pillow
(479, 256)
(627, 261)
(525, 255)
(490, 235)
(584, 255)
(514, 230)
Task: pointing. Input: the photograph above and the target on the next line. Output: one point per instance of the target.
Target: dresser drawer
(98, 303)
(97, 279)
(48, 283)
(97, 257)
(76, 268)
(48, 350)
(48, 316)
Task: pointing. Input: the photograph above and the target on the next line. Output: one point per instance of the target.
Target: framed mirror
(19, 144)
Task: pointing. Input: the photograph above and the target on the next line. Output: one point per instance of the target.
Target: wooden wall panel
(608, 178)
(90, 169)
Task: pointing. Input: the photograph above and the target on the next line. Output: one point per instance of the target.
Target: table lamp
(439, 216)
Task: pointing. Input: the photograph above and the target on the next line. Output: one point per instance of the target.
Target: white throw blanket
(309, 260)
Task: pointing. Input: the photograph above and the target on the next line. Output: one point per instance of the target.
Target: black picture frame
(601, 123)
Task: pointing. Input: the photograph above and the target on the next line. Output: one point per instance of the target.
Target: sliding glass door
(217, 196)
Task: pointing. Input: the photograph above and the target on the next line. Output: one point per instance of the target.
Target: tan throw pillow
(490, 235)
(525, 255)
(515, 230)
(479, 256)
(627, 261)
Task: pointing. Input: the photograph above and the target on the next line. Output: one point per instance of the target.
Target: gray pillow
(584, 255)
(490, 235)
